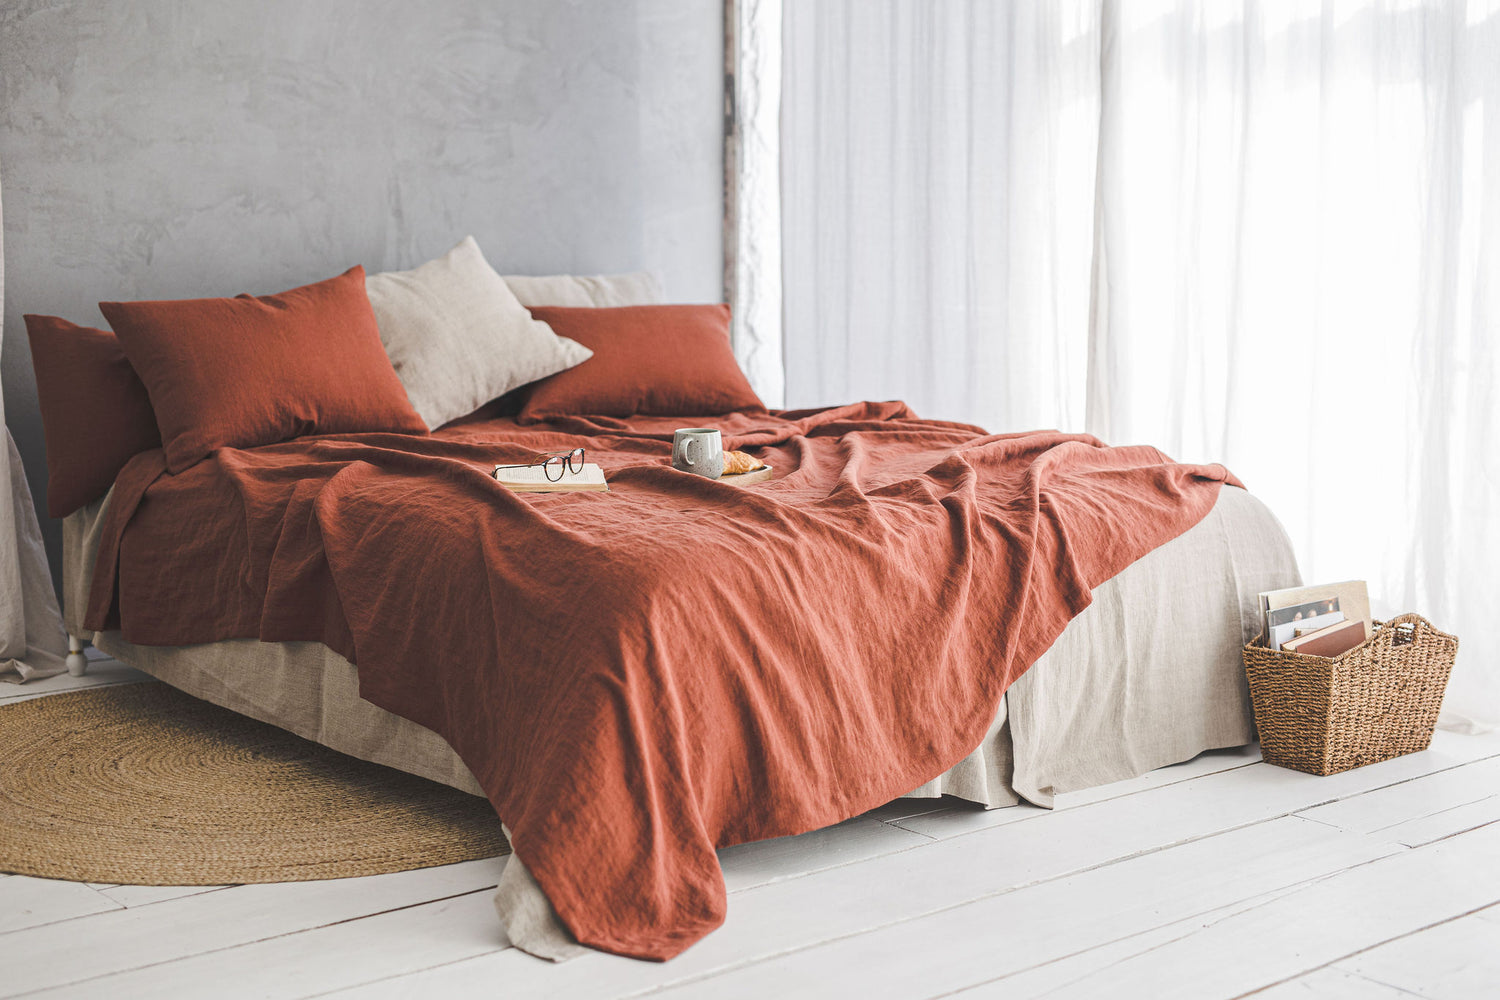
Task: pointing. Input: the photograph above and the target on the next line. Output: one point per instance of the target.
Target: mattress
(1148, 675)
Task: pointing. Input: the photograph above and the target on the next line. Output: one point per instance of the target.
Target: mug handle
(688, 444)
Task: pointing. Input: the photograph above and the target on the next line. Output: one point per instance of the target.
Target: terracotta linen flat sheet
(638, 677)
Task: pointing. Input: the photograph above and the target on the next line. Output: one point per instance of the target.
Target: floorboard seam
(115, 907)
(1332, 963)
(896, 825)
(770, 956)
(1065, 806)
(1295, 887)
(1450, 836)
(121, 906)
(244, 944)
(409, 972)
(1435, 812)
(153, 902)
(1255, 903)
(1299, 809)
(708, 974)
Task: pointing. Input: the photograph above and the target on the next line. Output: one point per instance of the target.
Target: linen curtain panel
(1262, 234)
(32, 641)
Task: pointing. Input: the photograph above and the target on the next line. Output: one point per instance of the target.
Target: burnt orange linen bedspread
(640, 676)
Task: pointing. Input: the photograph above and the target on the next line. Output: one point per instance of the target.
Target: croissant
(737, 463)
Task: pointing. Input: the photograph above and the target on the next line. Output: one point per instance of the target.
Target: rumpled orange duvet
(640, 676)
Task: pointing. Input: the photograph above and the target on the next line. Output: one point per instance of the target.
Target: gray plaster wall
(176, 148)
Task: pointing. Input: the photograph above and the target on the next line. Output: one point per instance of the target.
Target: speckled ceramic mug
(699, 450)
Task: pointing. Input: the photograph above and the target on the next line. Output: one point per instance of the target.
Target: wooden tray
(748, 478)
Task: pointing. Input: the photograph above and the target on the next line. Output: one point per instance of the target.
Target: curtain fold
(32, 641)
(937, 175)
(752, 193)
(1296, 255)
(1262, 234)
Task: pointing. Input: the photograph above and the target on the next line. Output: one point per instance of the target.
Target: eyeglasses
(553, 466)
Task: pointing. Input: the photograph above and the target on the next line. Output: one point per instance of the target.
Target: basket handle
(1392, 629)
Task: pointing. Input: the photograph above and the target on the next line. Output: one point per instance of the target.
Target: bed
(638, 677)
(1147, 676)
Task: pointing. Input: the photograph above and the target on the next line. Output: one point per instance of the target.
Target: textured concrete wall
(172, 148)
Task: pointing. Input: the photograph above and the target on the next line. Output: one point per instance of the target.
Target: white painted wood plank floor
(1220, 877)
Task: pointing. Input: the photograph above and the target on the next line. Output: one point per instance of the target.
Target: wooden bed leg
(78, 664)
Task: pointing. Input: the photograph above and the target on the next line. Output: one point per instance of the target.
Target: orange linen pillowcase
(96, 415)
(252, 370)
(666, 361)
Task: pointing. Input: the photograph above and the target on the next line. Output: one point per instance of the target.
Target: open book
(532, 479)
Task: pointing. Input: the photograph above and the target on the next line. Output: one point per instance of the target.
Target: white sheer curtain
(937, 178)
(1263, 234)
(32, 642)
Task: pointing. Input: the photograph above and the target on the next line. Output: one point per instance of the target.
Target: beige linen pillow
(458, 337)
(604, 291)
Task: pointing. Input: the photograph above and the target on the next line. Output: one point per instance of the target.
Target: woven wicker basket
(1377, 701)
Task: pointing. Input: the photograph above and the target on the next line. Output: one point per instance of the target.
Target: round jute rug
(142, 785)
